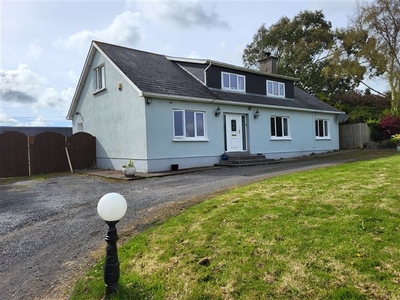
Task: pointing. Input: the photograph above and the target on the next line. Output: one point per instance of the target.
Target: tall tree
(305, 47)
(362, 107)
(375, 32)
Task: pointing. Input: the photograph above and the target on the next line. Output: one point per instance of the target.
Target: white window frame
(185, 134)
(234, 84)
(284, 120)
(99, 78)
(325, 132)
(275, 89)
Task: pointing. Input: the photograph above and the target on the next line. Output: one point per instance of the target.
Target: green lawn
(331, 233)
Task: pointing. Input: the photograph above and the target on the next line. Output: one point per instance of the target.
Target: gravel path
(51, 231)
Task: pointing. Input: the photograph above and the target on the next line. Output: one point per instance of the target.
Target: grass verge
(330, 233)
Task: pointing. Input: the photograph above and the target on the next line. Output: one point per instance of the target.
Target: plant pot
(174, 167)
(129, 172)
(398, 148)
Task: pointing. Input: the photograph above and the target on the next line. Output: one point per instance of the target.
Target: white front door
(234, 133)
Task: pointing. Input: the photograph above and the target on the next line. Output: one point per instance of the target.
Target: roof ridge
(201, 61)
(127, 48)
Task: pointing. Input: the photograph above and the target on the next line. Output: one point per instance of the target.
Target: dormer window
(275, 89)
(233, 82)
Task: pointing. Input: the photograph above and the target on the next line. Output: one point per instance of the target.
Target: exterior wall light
(148, 101)
(111, 208)
(256, 114)
(217, 112)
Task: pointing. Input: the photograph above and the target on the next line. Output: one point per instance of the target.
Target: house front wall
(302, 139)
(115, 116)
(163, 150)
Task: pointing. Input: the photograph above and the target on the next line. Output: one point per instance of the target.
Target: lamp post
(111, 208)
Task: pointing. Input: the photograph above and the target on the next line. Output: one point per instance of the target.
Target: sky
(44, 44)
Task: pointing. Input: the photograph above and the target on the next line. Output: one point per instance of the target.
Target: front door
(234, 133)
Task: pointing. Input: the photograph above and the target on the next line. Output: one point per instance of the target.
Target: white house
(159, 110)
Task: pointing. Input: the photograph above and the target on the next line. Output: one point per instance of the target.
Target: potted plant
(129, 169)
(396, 139)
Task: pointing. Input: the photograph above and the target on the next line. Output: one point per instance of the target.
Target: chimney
(269, 63)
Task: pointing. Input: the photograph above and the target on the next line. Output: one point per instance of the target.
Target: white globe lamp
(111, 208)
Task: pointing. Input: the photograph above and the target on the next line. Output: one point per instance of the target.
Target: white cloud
(124, 29)
(185, 14)
(4, 119)
(25, 87)
(34, 50)
(72, 76)
(222, 45)
(66, 96)
(39, 121)
(193, 54)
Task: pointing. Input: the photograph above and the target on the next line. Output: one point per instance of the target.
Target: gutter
(205, 71)
(226, 102)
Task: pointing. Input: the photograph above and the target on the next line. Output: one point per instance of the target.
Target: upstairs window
(234, 82)
(100, 78)
(189, 124)
(321, 128)
(275, 89)
(280, 127)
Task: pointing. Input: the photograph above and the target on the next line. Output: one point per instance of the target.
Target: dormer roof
(156, 75)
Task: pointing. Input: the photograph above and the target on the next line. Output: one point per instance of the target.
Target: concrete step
(244, 159)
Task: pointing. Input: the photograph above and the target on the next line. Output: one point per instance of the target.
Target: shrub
(388, 126)
(361, 107)
(374, 126)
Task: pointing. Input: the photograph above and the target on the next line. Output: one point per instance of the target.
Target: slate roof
(302, 100)
(32, 131)
(155, 73)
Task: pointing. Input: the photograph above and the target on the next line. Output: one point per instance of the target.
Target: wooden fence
(354, 136)
(45, 153)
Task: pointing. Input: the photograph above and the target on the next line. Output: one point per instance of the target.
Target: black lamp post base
(111, 266)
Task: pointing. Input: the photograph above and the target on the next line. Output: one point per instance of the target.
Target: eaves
(234, 103)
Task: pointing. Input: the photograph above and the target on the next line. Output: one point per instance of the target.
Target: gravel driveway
(51, 231)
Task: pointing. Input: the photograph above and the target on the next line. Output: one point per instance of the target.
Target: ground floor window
(280, 127)
(189, 124)
(321, 128)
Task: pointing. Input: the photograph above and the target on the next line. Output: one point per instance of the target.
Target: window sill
(323, 139)
(276, 96)
(189, 140)
(281, 139)
(233, 90)
(99, 91)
